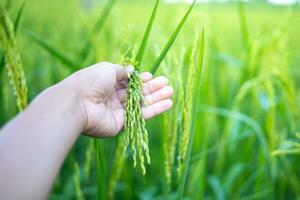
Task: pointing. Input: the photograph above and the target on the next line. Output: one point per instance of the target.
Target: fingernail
(130, 69)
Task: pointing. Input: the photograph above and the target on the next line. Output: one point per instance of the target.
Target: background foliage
(245, 145)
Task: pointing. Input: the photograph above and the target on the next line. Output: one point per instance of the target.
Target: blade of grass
(101, 170)
(243, 118)
(194, 116)
(216, 187)
(1, 62)
(143, 45)
(243, 24)
(2, 117)
(18, 18)
(172, 40)
(6, 4)
(97, 28)
(54, 52)
(103, 17)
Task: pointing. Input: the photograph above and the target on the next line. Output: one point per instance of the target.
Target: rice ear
(16, 27)
(13, 61)
(195, 108)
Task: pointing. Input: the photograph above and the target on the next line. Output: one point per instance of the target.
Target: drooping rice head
(135, 126)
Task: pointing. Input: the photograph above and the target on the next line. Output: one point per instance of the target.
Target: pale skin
(35, 143)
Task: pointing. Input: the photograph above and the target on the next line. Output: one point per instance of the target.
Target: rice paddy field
(238, 139)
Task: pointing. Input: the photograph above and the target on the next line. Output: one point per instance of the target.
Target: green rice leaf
(72, 65)
(216, 187)
(97, 28)
(1, 62)
(6, 4)
(172, 40)
(201, 56)
(17, 20)
(241, 117)
(243, 23)
(103, 17)
(101, 170)
(141, 51)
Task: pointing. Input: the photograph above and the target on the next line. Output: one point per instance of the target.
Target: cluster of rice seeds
(136, 132)
(12, 60)
(188, 100)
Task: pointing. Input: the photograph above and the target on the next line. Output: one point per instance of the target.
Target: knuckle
(169, 90)
(145, 89)
(149, 100)
(163, 79)
(105, 63)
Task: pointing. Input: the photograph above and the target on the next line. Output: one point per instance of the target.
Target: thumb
(123, 72)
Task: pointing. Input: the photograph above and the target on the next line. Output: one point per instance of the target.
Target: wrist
(69, 103)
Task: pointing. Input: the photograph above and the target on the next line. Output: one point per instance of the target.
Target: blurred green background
(246, 144)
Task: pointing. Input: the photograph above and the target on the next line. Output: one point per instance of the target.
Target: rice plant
(289, 147)
(172, 130)
(238, 140)
(136, 132)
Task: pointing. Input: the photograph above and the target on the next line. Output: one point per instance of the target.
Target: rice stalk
(288, 88)
(2, 62)
(104, 15)
(116, 169)
(133, 113)
(13, 61)
(119, 157)
(101, 170)
(271, 116)
(243, 24)
(76, 178)
(88, 158)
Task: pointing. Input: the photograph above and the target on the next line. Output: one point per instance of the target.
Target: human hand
(101, 90)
